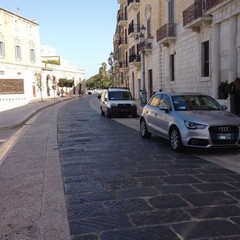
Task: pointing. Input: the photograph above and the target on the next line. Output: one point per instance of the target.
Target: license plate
(224, 136)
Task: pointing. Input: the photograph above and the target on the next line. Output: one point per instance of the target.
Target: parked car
(97, 91)
(89, 91)
(117, 101)
(190, 119)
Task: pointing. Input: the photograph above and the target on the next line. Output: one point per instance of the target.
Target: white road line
(9, 144)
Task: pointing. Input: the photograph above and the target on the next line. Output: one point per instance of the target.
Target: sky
(81, 31)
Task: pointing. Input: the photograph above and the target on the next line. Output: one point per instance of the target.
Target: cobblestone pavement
(119, 186)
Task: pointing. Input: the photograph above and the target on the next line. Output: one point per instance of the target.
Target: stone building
(21, 57)
(195, 45)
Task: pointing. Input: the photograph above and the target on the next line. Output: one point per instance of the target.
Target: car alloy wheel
(175, 140)
(143, 130)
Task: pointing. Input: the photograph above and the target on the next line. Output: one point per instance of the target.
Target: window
(172, 67)
(148, 26)
(155, 101)
(2, 49)
(18, 54)
(205, 59)
(165, 100)
(32, 55)
(170, 11)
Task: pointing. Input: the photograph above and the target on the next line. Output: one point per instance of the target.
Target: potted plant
(223, 90)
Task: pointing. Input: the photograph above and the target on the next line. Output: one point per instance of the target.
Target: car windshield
(120, 95)
(195, 102)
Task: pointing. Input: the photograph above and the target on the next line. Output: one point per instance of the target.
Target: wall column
(232, 68)
(215, 60)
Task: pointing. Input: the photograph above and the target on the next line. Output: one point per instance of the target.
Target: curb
(32, 114)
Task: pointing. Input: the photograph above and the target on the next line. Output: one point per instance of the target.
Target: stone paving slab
(119, 186)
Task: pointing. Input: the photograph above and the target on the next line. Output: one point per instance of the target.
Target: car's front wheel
(175, 140)
(143, 129)
(102, 112)
(109, 115)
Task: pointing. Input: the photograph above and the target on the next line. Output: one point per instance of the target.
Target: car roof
(181, 93)
(118, 89)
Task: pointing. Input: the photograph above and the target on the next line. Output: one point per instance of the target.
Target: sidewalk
(16, 117)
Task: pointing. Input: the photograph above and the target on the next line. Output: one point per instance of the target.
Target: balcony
(133, 30)
(122, 2)
(123, 66)
(122, 19)
(166, 34)
(123, 43)
(213, 4)
(194, 16)
(135, 60)
(133, 5)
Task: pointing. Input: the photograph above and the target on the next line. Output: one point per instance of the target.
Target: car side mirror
(224, 107)
(165, 107)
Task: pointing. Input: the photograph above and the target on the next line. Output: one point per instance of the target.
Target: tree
(39, 83)
(100, 80)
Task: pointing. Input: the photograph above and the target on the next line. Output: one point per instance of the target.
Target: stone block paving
(119, 186)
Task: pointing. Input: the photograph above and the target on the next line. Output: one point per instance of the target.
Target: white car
(117, 101)
(190, 119)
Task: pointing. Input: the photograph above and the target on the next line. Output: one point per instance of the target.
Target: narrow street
(120, 186)
(70, 173)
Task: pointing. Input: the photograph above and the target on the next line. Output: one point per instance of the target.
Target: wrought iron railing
(123, 40)
(193, 12)
(168, 30)
(122, 17)
(133, 28)
(134, 58)
(123, 64)
(212, 3)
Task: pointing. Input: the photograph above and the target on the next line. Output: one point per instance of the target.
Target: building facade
(21, 58)
(195, 45)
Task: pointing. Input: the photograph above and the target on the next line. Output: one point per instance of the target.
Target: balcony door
(171, 11)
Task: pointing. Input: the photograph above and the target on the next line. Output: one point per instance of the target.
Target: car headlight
(193, 125)
(113, 104)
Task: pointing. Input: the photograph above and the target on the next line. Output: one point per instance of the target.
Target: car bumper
(122, 110)
(211, 138)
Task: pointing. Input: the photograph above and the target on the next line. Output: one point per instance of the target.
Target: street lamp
(144, 43)
(111, 62)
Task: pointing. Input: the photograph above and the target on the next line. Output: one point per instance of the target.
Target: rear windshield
(120, 95)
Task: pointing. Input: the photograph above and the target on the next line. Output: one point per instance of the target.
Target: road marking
(9, 143)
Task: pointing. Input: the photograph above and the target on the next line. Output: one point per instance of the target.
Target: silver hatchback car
(190, 119)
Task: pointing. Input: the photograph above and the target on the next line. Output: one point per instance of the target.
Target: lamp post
(143, 45)
(111, 62)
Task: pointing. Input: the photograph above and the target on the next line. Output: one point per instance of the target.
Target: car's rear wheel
(143, 129)
(175, 140)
